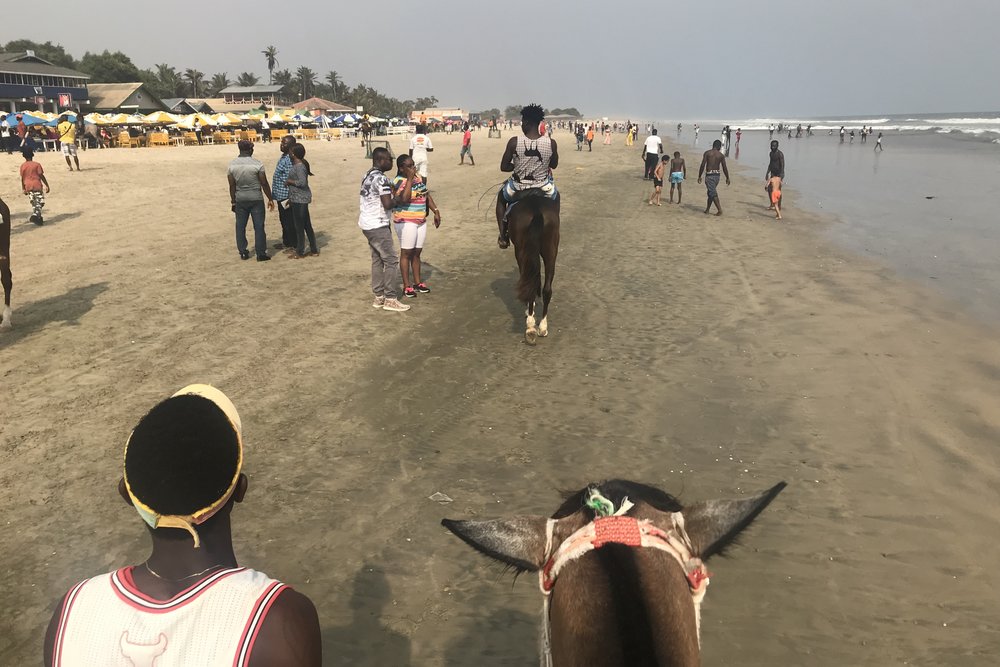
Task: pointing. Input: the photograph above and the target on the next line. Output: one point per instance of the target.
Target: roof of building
(219, 105)
(320, 103)
(113, 95)
(25, 63)
(247, 90)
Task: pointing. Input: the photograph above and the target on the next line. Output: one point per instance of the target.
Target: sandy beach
(710, 356)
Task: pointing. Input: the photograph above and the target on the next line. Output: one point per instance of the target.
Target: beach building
(270, 96)
(317, 106)
(123, 98)
(29, 82)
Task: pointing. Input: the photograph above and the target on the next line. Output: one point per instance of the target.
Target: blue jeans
(244, 211)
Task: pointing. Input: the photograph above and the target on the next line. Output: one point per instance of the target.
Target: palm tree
(194, 77)
(306, 78)
(336, 84)
(170, 80)
(282, 77)
(271, 55)
(246, 79)
(219, 81)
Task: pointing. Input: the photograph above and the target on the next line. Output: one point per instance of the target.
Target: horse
(621, 567)
(5, 275)
(533, 225)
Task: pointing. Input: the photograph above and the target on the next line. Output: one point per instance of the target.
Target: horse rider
(531, 157)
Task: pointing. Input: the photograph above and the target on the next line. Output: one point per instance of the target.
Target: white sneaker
(378, 302)
(394, 304)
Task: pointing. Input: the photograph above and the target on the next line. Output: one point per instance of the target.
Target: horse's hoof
(542, 333)
(530, 337)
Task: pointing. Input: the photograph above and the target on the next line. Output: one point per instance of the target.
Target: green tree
(425, 102)
(54, 53)
(488, 113)
(305, 78)
(271, 56)
(219, 82)
(169, 82)
(337, 86)
(194, 77)
(109, 67)
(513, 111)
(247, 79)
(283, 78)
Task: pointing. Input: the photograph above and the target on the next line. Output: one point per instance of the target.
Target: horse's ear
(713, 524)
(518, 541)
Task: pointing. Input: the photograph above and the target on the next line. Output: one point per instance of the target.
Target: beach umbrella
(275, 118)
(159, 118)
(95, 119)
(28, 118)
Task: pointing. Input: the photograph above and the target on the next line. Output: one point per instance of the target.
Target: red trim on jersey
(254, 622)
(124, 587)
(67, 606)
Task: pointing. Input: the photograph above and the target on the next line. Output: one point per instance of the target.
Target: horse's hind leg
(550, 249)
(530, 330)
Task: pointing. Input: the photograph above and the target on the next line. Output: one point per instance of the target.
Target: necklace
(190, 576)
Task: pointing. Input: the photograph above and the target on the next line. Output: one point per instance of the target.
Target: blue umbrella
(11, 120)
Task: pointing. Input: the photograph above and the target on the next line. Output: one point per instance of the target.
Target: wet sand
(709, 356)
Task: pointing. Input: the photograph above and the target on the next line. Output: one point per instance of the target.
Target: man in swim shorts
(678, 172)
(712, 162)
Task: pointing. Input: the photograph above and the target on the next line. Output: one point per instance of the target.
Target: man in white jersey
(651, 150)
(189, 603)
(420, 146)
(531, 157)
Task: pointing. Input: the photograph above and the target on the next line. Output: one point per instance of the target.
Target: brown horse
(533, 224)
(5, 275)
(621, 568)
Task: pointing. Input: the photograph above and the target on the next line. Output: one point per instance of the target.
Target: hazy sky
(685, 59)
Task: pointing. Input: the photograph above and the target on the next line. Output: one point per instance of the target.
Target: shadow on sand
(67, 308)
(365, 641)
(502, 637)
(27, 226)
(504, 288)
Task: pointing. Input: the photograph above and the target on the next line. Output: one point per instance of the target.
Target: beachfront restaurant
(28, 82)
(129, 98)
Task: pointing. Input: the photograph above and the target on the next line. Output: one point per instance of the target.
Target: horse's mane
(616, 490)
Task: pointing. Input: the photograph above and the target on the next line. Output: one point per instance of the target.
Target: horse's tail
(530, 284)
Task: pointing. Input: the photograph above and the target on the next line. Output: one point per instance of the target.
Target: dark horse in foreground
(533, 224)
(621, 567)
(5, 275)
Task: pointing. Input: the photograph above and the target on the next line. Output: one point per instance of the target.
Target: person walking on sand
(466, 147)
(409, 217)
(375, 200)
(678, 172)
(607, 135)
(67, 141)
(300, 196)
(774, 191)
(711, 163)
(878, 143)
(32, 180)
(654, 198)
(190, 602)
(246, 181)
(279, 189)
(579, 136)
(590, 139)
(775, 167)
(420, 146)
(651, 150)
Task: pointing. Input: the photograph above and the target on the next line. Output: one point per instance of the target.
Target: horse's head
(621, 566)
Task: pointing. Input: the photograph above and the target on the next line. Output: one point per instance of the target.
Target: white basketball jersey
(107, 621)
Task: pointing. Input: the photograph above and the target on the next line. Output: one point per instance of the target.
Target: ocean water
(927, 206)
